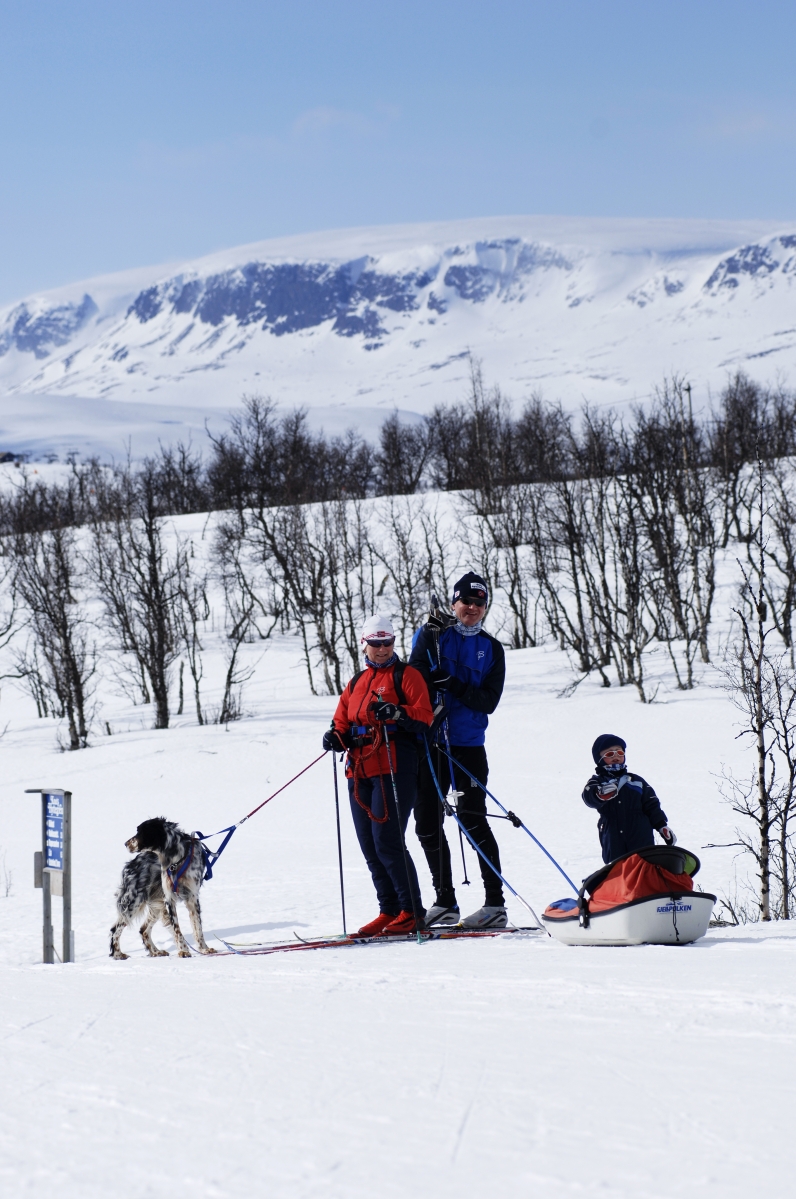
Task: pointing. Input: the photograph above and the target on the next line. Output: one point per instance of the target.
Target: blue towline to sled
(512, 816)
(476, 847)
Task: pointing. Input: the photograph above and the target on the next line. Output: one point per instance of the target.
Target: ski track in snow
(455, 1069)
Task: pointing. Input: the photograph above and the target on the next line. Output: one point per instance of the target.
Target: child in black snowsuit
(629, 808)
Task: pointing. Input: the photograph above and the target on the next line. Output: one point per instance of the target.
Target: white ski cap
(376, 628)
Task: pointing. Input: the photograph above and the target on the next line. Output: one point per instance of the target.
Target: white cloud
(321, 120)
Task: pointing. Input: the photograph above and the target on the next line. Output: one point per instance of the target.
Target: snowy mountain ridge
(382, 318)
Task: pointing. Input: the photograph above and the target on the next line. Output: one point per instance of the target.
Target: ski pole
(478, 848)
(456, 794)
(435, 610)
(339, 842)
(441, 811)
(415, 904)
(512, 817)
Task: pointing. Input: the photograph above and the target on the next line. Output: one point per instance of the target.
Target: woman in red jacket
(383, 710)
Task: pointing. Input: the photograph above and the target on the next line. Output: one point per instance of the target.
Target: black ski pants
(472, 813)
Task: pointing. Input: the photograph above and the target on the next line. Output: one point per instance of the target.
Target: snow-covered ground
(449, 1070)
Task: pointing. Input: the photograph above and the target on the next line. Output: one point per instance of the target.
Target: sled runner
(643, 898)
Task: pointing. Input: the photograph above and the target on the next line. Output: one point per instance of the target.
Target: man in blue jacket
(629, 808)
(466, 667)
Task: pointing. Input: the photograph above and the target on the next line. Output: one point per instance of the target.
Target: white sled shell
(656, 920)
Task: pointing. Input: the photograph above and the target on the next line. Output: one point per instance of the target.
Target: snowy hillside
(356, 323)
(526, 1070)
(450, 1070)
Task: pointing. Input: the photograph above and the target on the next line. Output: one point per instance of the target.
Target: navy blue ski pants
(382, 843)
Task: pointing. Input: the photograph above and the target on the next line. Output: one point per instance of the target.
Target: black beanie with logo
(470, 586)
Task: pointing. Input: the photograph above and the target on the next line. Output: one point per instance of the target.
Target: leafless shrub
(31, 671)
(139, 580)
(408, 564)
(267, 459)
(404, 453)
(599, 532)
(762, 683)
(506, 542)
(62, 660)
(192, 612)
(239, 609)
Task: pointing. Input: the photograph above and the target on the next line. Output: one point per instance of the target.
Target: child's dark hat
(603, 742)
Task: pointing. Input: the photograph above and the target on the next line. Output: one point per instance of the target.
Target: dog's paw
(159, 953)
(120, 957)
(185, 953)
(207, 949)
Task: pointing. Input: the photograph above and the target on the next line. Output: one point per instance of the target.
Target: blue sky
(143, 131)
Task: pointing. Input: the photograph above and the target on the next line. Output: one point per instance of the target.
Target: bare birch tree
(139, 580)
(49, 576)
(762, 683)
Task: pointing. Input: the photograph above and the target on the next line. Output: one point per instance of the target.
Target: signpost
(52, 867)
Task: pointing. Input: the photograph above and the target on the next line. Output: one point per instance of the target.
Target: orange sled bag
(644, 897)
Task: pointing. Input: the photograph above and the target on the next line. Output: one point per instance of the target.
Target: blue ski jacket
(478, 666)
(626, 821)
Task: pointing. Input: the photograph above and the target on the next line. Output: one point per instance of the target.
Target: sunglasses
(610, 755)
(474, 600)
(380, 642)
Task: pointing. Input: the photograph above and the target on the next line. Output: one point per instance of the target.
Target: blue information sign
(54, 821)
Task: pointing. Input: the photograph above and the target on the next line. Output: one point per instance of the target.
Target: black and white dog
(169, 865)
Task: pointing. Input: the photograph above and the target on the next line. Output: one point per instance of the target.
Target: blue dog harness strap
(211, 856)
(175, 878)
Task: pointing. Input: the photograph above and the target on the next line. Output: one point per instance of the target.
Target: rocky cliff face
(38, 329)
(353, 297)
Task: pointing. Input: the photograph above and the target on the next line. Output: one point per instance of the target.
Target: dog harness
(174, 879)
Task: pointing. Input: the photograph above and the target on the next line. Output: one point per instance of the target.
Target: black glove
(335, 740)
(449, 682)
(387, 711)
(668, 835)
(440, 621)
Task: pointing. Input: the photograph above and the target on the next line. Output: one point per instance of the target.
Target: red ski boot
(376, 927)
(404, 922)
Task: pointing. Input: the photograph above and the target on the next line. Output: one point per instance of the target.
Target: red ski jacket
(353, 709)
